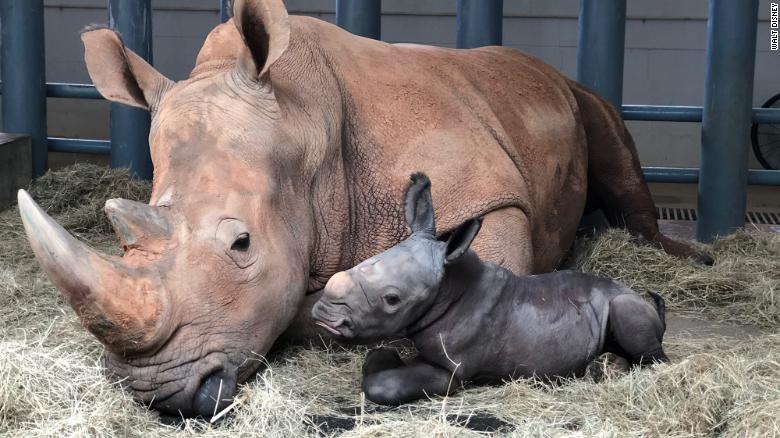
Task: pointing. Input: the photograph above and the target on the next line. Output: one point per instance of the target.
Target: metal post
(24, 76)
(602, 35)
(361, 17)
(479, 23)
(728, 95)
(225, 10)
(130, 126)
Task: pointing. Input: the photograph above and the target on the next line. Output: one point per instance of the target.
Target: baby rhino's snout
(339, 286)
(331, 311)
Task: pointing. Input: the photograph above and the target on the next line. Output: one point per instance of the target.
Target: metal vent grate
(676, 213)
(763, 217)
(689, 214)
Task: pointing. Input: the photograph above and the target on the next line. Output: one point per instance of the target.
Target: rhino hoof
(703, 258)
(607, 366)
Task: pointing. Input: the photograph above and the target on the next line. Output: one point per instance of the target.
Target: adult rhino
(282, 159)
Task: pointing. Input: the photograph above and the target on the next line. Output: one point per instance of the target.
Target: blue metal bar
(361, 17)
(660, 113)
(24, 73)
(647, 113)
(687, 175)
(225, 10)
(766, 115)
(691, 175)
(72, 91)
(728, 96)
(602, 34)
(479, 23)
(763, 177)
(655, 113)
(130, 126)
(79, 145)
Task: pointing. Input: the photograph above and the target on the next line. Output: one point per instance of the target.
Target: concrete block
(15, 166)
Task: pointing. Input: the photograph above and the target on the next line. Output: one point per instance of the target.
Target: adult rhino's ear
(418, 207)
(265, 29)
(119, 74)
(460, 240)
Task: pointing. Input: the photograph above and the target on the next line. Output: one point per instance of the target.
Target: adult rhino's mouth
(178, 384)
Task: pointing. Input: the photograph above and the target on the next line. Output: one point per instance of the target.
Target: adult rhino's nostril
(215, 393)
(347, 323)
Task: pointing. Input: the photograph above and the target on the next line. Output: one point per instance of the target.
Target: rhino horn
(123, 306)
(135, 222)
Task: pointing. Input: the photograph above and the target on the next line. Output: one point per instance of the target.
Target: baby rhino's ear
(460, 240)
(418, 207)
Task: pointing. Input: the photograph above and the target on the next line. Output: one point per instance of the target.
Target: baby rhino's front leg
(387, 380)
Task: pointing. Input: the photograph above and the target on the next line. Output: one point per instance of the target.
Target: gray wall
(664, 59)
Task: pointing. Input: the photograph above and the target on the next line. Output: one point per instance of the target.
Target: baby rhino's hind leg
(635, 330)
(414, 381)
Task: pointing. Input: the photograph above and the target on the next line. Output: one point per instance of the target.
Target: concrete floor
(764, 198)
(687, 327)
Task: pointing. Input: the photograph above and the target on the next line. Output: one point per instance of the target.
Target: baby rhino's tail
(660, 306)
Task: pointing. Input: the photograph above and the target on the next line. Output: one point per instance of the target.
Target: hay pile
(51, 383)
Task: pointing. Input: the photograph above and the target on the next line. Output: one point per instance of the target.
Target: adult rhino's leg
(411, 382)
(505, 239)
(615, 177)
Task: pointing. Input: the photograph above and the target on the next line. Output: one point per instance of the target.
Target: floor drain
(689, 214)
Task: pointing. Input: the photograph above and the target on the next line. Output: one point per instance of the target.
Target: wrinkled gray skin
(476, 321)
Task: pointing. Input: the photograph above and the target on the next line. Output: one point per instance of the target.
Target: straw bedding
(51, 381)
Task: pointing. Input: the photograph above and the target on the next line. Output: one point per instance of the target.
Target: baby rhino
(476, 321)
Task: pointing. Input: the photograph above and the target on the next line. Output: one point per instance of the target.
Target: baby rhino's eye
(392, 299)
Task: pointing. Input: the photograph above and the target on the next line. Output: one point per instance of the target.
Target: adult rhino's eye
(241, 243)
(232, 238)
(392, 299)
